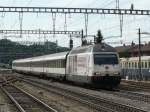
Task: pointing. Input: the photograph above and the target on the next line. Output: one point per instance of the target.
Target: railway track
(130, 95)
(134, 86)
(99, 103)
(24, 101)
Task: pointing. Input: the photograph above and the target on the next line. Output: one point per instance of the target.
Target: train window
(146, 64)
(125, 65)
(56, 63)
(135, 64)
(105, 59)
(50, 64)
(121, 65)
(53, 64)
(149, 64)
(128, 64)
(132, 65)
(64, 63)
(45, 64)
(59, 63)
(142, 64)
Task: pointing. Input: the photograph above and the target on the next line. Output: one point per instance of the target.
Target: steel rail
(76, 98)
(91, 97)
(130, 95)
(21, 109)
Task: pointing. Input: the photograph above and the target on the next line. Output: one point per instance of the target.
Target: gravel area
(143, 92)
(142, 105)
(56, 101)
(71, 106)
(5, 103)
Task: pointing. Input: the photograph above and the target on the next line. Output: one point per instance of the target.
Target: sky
(108, 24)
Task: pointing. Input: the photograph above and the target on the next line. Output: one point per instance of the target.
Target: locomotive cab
(106, 67)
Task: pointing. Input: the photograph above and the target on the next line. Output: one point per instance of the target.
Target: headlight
(116, 73)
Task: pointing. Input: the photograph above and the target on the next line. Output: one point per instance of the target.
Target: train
(130, 68)
(97, 65)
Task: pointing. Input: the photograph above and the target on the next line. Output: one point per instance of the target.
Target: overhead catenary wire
(29, 2)
(109, 5)
(79, 20)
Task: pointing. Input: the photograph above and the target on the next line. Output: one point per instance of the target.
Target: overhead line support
(74, 10)
(39, 32)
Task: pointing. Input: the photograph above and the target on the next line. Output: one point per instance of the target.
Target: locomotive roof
(93, 48)
(83, 49)
(61, 55)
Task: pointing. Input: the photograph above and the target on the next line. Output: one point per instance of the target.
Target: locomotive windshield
(105, 59)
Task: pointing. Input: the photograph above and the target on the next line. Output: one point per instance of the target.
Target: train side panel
(79, 68)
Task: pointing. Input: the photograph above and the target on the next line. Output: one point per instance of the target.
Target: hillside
(11, 50)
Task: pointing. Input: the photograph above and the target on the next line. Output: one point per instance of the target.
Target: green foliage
(10, 51)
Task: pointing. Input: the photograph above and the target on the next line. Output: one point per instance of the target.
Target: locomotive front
(106, 67)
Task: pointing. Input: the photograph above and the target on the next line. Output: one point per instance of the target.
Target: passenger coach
(130, 67)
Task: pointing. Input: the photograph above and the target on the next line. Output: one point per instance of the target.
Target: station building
(133, 50)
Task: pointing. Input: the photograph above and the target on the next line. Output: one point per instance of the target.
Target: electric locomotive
(96, 65)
